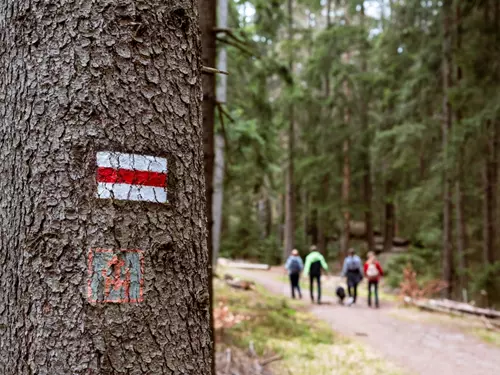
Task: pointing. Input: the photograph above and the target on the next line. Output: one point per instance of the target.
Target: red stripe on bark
(128, 176)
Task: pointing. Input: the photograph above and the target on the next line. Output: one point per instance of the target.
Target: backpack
(294, 266)
(372, 271)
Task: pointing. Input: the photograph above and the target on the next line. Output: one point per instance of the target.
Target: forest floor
(418, 342)
(267, 335)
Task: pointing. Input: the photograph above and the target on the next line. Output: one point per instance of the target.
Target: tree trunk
(459, 196)
(346, 169)
(219, 160)
(208, 23)
(389, 217)
(346, 185)
(367, 183)
(446, 128)
(290, 183)
(489, 201)
(218, 196)
(91, 285)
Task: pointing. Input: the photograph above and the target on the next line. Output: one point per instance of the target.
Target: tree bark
(78, 78)
(446, 128)
(290, 182)
(208, 23)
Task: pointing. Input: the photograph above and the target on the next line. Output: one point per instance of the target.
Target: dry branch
(272, 359)
(208, 70)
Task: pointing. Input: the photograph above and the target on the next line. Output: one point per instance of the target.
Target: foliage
(376, 79)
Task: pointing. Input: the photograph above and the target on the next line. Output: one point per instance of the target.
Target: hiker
(314, 262)
(294, 266)
(373, 272)
(353, 271)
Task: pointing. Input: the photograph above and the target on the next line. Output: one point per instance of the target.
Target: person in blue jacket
(353, 271)
(294, 266)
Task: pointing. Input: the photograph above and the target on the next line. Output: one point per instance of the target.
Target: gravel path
(419, 347)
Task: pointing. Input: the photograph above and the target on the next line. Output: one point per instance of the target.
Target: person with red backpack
(373, 272)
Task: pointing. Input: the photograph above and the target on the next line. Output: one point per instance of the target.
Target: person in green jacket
(314, 263)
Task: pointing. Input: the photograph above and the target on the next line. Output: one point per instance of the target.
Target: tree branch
(237, 46)
(208, 70)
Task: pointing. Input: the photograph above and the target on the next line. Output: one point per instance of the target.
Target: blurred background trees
(372, 124)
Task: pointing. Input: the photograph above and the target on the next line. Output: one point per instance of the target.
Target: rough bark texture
(208, 23)
(76, 78)
(290, 181)
(446, 128)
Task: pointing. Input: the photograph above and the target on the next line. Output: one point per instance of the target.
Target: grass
(489, 337)
(308, 345)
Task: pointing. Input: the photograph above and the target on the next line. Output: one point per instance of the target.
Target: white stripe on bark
(118, 160)
(106, 190)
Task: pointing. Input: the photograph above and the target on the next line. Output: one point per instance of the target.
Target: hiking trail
(410, 339)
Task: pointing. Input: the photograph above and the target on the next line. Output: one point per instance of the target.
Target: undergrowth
(276, 326)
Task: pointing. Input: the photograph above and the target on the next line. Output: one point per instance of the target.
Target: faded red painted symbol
(115, 276)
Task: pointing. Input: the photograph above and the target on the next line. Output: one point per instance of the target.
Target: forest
(249, 187)
(372, 124)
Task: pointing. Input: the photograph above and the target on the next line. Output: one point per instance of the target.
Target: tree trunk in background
(489, 185)
(73, 84)
(305, 212)
(208, 19)
(389, 217)
(459, 196)
(279, 223)
(346, 186)
(218, 196)
(219, 164)
(367, 183)
(269, 217)
(290, 183)
(446, 128)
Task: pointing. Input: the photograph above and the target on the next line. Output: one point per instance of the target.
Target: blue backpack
(294, 266)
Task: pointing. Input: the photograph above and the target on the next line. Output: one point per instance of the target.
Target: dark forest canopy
(396, 113)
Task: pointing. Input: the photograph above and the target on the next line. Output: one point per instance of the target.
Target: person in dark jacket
(314, 263)
(353, 271)
(294, 266)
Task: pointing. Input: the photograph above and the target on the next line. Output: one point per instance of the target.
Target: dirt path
(423, 348)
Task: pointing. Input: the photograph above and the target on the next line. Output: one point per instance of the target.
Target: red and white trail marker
(131, 177)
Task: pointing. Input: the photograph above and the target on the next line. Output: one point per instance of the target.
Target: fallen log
(466, 308)
(249, 266)
(432, 306)
(240, 284)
